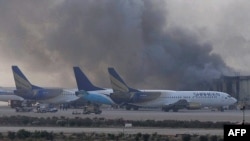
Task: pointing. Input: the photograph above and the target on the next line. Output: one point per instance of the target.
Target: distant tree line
(23, 135)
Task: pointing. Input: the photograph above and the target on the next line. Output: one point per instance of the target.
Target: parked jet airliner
(31, 92)
(7, 94)
(166, 99)
(89, 92)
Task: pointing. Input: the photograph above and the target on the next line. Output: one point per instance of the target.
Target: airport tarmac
(143, 114)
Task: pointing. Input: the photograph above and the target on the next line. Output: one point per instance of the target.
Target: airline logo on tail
(117, 83)
(20, 80)
(122, 92)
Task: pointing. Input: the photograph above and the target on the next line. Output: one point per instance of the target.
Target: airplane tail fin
(20, 80)
(83, 82)
(117, 82)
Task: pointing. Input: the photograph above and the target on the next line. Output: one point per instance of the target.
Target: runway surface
(149, 114)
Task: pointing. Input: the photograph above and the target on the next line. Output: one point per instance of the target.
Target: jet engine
(193, 106)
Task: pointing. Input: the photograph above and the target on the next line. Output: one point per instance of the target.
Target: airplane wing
(180, 104)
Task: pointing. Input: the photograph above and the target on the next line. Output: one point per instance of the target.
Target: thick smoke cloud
(51, 37)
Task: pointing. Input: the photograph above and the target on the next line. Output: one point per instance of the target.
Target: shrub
(11, 135)
(23, 134)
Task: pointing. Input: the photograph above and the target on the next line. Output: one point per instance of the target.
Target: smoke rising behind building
(134, 37)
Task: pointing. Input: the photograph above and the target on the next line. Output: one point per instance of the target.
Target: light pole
(243, 110)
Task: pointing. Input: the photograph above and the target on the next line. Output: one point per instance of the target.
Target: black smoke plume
(131, 36)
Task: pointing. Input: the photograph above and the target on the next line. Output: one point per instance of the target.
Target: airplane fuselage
(6, 95)
(52, 95)
(160, 98)
(203, 98)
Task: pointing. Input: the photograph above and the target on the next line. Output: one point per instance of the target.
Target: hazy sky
(152, 44)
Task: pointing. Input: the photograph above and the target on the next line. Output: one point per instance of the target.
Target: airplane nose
(234, 100)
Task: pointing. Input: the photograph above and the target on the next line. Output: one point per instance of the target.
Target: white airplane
(28, 91)
(165, 99)
(7, 94)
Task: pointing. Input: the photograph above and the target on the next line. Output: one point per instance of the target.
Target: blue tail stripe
(18, 72)
(83, 82)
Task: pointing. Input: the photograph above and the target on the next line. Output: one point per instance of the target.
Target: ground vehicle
(92, 109)
(20, 103)
(15, 103)
(24, 109)
(22, 106)
(52, 110)
(45, 110)
(75, 112)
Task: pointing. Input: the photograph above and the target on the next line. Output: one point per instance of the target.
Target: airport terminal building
(236, 86)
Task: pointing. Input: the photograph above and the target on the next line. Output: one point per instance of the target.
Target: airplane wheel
(175, 110)
(98, 112)
(128, 108)
(165, 109)
(221, 109)
(135, 108)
